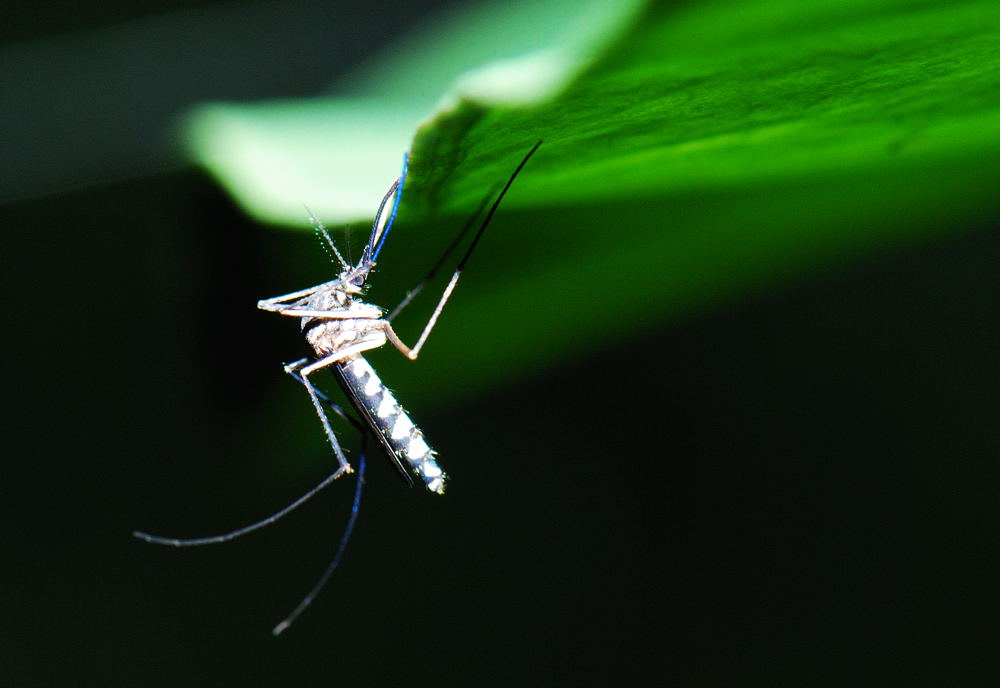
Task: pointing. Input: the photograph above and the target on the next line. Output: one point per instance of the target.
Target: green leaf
(690, 152)
(338, 153)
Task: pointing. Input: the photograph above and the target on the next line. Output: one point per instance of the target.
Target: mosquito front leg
(356, 311)
(277, 303)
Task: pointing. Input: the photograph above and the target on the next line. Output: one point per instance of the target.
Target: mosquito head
(352, 279)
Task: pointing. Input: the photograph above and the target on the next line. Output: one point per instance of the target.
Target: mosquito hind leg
(412, 353)
(341, 547)
(444, 257)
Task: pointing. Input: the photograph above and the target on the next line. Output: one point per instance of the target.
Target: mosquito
(339, 327)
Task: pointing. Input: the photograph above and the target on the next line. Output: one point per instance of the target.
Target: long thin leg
(304, 371)
(348, 531)
(276, 303)
(189, 542)
(299, 370)
(413, 352)
(444, 257)
(333, 406)
(303, 377)
(358, 311)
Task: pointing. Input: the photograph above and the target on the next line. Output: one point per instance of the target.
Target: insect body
(339, 327)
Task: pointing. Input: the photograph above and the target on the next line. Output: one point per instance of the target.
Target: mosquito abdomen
(390, 422)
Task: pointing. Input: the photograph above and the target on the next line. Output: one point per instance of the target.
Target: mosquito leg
(444, 257)
(413, 352)
(277, 303)
(301, 372)
(348, 531)
(359, 311)
(188, 542)
(330, 403)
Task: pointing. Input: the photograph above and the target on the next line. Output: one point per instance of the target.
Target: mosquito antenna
(444, 257)
(380, 226)
(232, 535)
(307, 600)
(325, 240)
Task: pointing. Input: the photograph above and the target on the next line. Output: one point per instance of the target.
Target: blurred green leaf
(695, 150)
(338, 153)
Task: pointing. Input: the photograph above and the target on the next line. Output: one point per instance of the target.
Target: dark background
(795, 487)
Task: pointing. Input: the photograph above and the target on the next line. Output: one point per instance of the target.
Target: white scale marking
(373, 386)
(418, 448)
(387, 407)
(361, 367)
(402, 427)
